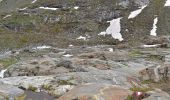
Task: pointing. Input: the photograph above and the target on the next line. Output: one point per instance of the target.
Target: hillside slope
(61, 23)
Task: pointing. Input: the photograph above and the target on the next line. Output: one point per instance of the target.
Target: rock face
(96, 92)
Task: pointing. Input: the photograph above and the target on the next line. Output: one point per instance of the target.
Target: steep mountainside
(61, 22)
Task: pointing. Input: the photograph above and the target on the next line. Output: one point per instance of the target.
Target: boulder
(96, 92)
(155, 73)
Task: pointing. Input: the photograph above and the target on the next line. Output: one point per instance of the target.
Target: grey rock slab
(25, 82)
(10, 91)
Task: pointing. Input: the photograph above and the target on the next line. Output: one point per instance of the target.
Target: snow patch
(114, 29)
(7, 16)
(154, 29)
(2, 73)
(48, 8)
(68, 55)
(110, 49)
(150, 46)
(167, 3)
(23, 8)
(42, 47)
(76, 7)
(34, 1)
(71, 45)
(135, 13)
(81, 38)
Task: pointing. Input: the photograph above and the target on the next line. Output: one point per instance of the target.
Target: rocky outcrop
(49, 70)
(155, 73)
(96, 92)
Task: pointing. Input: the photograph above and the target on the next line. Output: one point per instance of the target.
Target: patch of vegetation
(64, 82)
(156, 57)
(147, 81)
(7, 62)
(140, 89)
(135, 53)
(32, 88)
(47, 87)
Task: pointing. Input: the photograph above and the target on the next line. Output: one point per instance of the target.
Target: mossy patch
(141, 89)
(135, 53)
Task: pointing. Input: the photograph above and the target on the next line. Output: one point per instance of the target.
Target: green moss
(141, 89)
(135, 53)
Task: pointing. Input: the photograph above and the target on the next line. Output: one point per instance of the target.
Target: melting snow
(2, 73)
(114, 29)
(150, 46)
(7, 16)
(42, 47)
(23, 8)
(76, 7)
(153, 31)
(34, 1)
(81, 38)
(167, 3)
(47, 8)
(110, 49)
(67, 55)
(136, 12)
(71, 45)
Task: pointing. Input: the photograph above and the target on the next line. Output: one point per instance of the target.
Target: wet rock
(97, 91)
